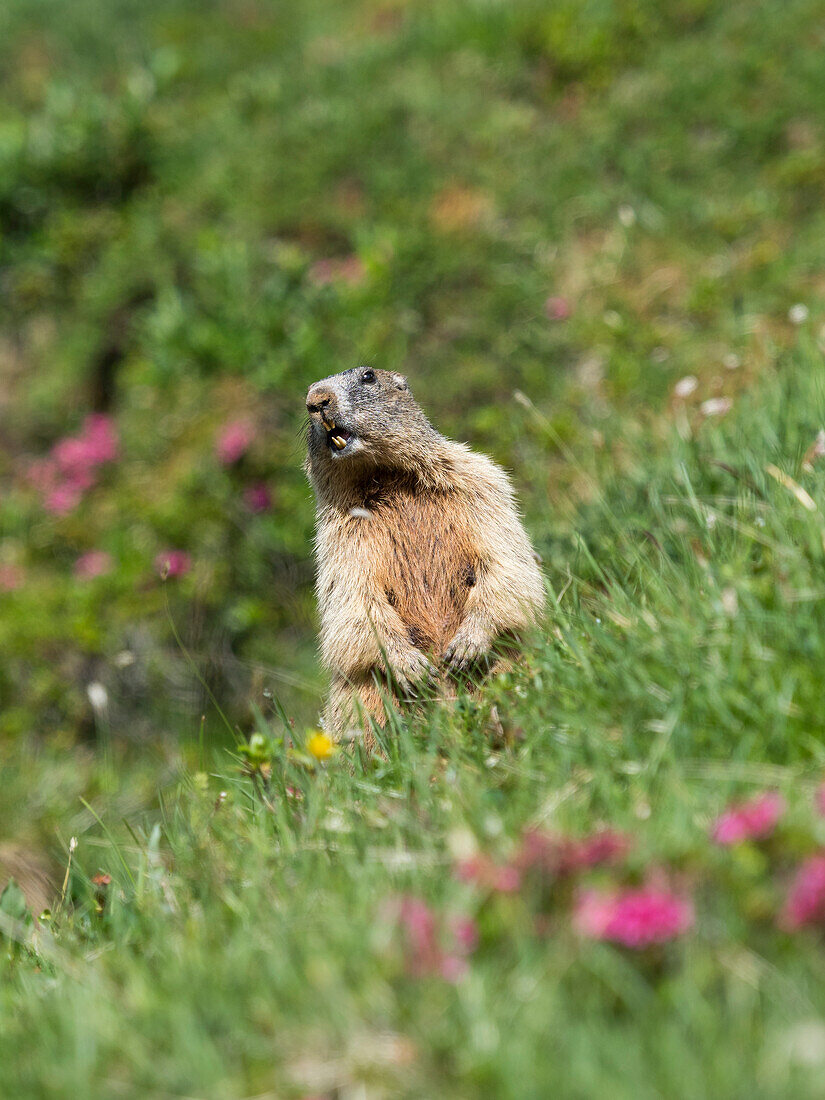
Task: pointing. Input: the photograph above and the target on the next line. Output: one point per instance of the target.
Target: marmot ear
(400, 382)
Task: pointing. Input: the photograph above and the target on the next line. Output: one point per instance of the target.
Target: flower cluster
(632, 918)
(548, 855)
(173, 563)
(72, 466)
(482, 871)
(805, 903)
(752, 820)
(756, 820)
(557, 308)
(11, 577)
(558, 856)
(94, 563)
(257, 498)
(233, 441)
(433, 946)
(587, 884)
(635, 918)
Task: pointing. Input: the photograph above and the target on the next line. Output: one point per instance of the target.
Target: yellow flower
(320, 746)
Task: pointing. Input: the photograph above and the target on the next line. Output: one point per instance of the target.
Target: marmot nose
(318, 398)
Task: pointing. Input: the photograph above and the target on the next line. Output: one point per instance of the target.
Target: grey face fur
(361, 414)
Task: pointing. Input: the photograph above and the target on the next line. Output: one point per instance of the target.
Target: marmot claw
(466, 649)
(412, 670)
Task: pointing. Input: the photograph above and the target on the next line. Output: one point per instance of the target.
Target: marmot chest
(427, 566)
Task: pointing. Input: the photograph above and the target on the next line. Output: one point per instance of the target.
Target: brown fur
(32, 873)
(423, 562)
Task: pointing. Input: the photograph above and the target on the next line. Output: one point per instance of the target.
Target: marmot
(423, 562)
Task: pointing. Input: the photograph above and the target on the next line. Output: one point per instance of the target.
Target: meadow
(591, 234)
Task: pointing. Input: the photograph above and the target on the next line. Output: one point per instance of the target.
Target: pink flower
(63, 499)
(465, 934)
(101, 439)
(556, 855)
(633, 918)
(819, 799)
(750, 820)
(72, 455)
(606, 846)
(452, 967)
(419, 925)
(71, 468)
(349, 270)
(94, 563)
(234, 441)
(11, 578)
(805, 903)
(257, 498)
(173, 563)
(481, 871)
(42, 474)
(94, 446)
(557, 308)
(430, 948)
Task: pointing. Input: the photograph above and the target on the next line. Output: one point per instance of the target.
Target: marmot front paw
(469, 646)
(410, 669)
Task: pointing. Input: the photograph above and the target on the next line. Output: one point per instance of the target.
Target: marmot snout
(423, 562)
(362, 414)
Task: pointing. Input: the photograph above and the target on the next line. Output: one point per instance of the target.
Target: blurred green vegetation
(206, 206)
(227, 924)
(592, 234)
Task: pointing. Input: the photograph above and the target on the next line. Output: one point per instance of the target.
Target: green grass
(171, 175)
(245, 949)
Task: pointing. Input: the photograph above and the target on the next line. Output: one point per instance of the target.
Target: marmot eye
(368, 376)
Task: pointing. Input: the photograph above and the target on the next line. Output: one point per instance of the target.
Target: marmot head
(363, 416)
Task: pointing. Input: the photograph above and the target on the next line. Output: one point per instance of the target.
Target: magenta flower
(606, 846)
(173, 563)
(805, 903)
(73, 455)
(64, 498)
(557, 308)
(233, 441)
(95, 446)
(419, 924)
(257, 498)
(452, 967)
(482, 871)
(751, 820)
(632, 918)
(71, 468)
(42, 474)
(94, 563)
(465, 934)
(11, 578)
(431, 948)
(101, 438)
(557, 856)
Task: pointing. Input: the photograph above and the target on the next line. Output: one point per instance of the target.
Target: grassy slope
(169, 175)
(245, 950)
(242, 950)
